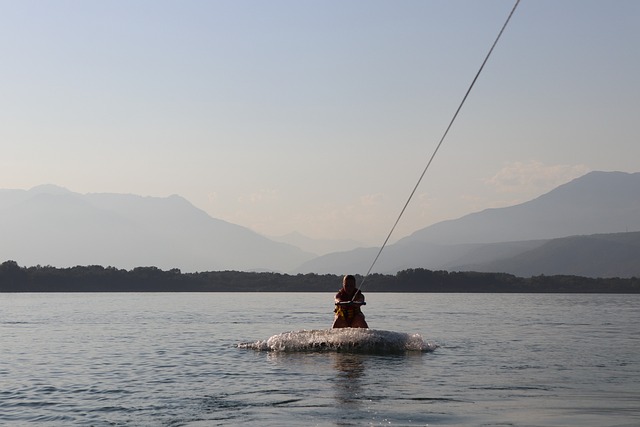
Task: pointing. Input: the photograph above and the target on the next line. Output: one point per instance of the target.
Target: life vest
(347, 312)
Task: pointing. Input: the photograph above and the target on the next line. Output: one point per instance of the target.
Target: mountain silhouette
(596, 203)
(50, 225)
(596, 255)
(588, 227)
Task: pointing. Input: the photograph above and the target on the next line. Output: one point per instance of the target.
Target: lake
(171, 359)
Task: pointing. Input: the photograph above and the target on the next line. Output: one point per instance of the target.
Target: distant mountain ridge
(317, 246)
(526, 239)
(50, 225)
(596, 255)
(598, 202)
(588, 227)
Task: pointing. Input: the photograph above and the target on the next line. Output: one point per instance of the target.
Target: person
(348, 300)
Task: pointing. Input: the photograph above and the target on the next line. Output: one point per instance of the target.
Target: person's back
(348, 301)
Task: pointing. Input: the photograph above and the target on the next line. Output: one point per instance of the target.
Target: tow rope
(455, 115)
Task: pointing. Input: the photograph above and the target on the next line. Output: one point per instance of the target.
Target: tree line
(96, 278)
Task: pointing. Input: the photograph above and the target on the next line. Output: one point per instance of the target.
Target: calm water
(171, 359)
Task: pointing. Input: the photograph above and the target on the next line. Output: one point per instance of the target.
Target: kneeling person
(348, 303)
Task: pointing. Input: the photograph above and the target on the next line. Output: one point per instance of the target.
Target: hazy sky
(317, 116)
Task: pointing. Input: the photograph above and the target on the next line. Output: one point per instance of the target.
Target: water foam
(343, 339)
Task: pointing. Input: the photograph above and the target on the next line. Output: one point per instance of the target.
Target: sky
(318, 116)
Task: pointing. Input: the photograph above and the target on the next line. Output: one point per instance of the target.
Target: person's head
(349, 282)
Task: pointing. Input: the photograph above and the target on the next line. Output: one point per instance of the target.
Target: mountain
(574, 229)
(597, 255)
(408, 255)
(598, 202)
(512, 238)
(49, 225)
(317, 246)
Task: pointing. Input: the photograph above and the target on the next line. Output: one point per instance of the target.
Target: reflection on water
(348, 385)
